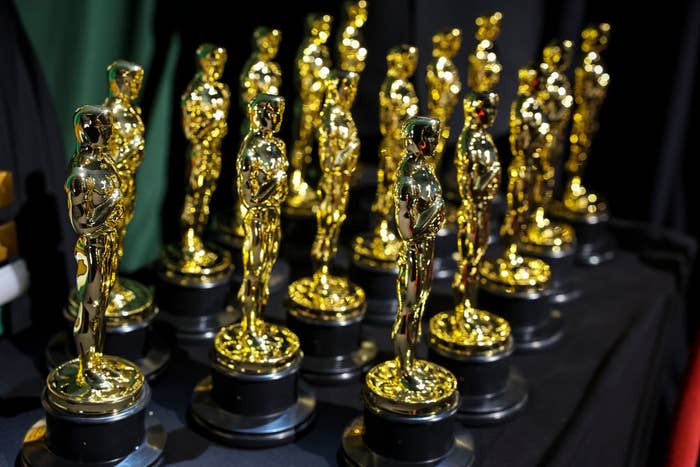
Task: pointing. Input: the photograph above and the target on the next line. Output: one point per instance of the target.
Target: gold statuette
(406, 384)
(325, 296)
(351, 51)
(260, 75)
(254, 346)
(590, 87)
(442, 80)
(94, 383)
(530, 135)
(554, 94)
(313, 65)
(205, 106)
(397, 103)
(468, 330)
(484, 69)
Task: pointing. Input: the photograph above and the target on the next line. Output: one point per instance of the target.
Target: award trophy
(444, 87)
(253, 397)
(517, 286)
(96, 405)
(260, 75)
(193, 276)
(411, 404)
(325, 310)
(483, 74)
(349, 43)
(475, 344)
(130, 309)
(585, 210)
(553, 242)
(373, 266)
(313, 64)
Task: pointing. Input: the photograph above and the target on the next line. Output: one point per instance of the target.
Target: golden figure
(442, 80)
(530, 136)
(260, 75)
(556, 100)
(254, 345)
(484, 69)
(339, 150)
(397, 103)
(407, 383)
(351, 53)
(205, 106)
(590, 87)
(313, 65)
(94, 383)
(478, 176)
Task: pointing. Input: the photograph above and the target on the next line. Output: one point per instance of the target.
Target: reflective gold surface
(313, 64)
(397, 103)
(484, 69)
(442, 81)
(351, 51)
(138, 307)
(253, 345)
(93, 383)
(590, 88)
(469, 330)
(554, 94)
(323, 295)
(260, 75)
(407, 384)
(530, 135)
(205, 106)
(127, 144)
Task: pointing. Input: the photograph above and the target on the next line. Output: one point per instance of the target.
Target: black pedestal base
(151, 355)
(133, 437)
(194, 312)
(562, 264)
(380, 289)
(251, 410)
(444, 262)
(356, 451)
(298, 232)
(595, 242)
(334, 352)
(491, 391)
(534, 323)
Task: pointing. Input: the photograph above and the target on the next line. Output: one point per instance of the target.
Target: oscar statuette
(519, 287)
(193, 276)
(544, 238)
(253, 397)
(326, 310)
(375, 252)
(95, 404)
(585, 210)
(131, 309)
(410, 405)
(473, 344)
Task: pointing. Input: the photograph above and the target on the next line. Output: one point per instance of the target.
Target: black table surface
(596, 398)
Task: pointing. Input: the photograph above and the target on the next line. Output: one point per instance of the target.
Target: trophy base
(379, 285)
(298, 228)
(384, 439)
(131, 437)
(145, 347)
(491, 391)
(256, 419)
(535, 325)
(595, 242)
(334, 352)
(562, 264)
(193, 311)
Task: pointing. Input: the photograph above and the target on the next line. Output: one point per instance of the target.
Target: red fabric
(685, 443)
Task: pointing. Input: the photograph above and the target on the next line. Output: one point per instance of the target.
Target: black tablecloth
(603, 396)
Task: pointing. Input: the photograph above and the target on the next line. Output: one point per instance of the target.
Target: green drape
(74, 42)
